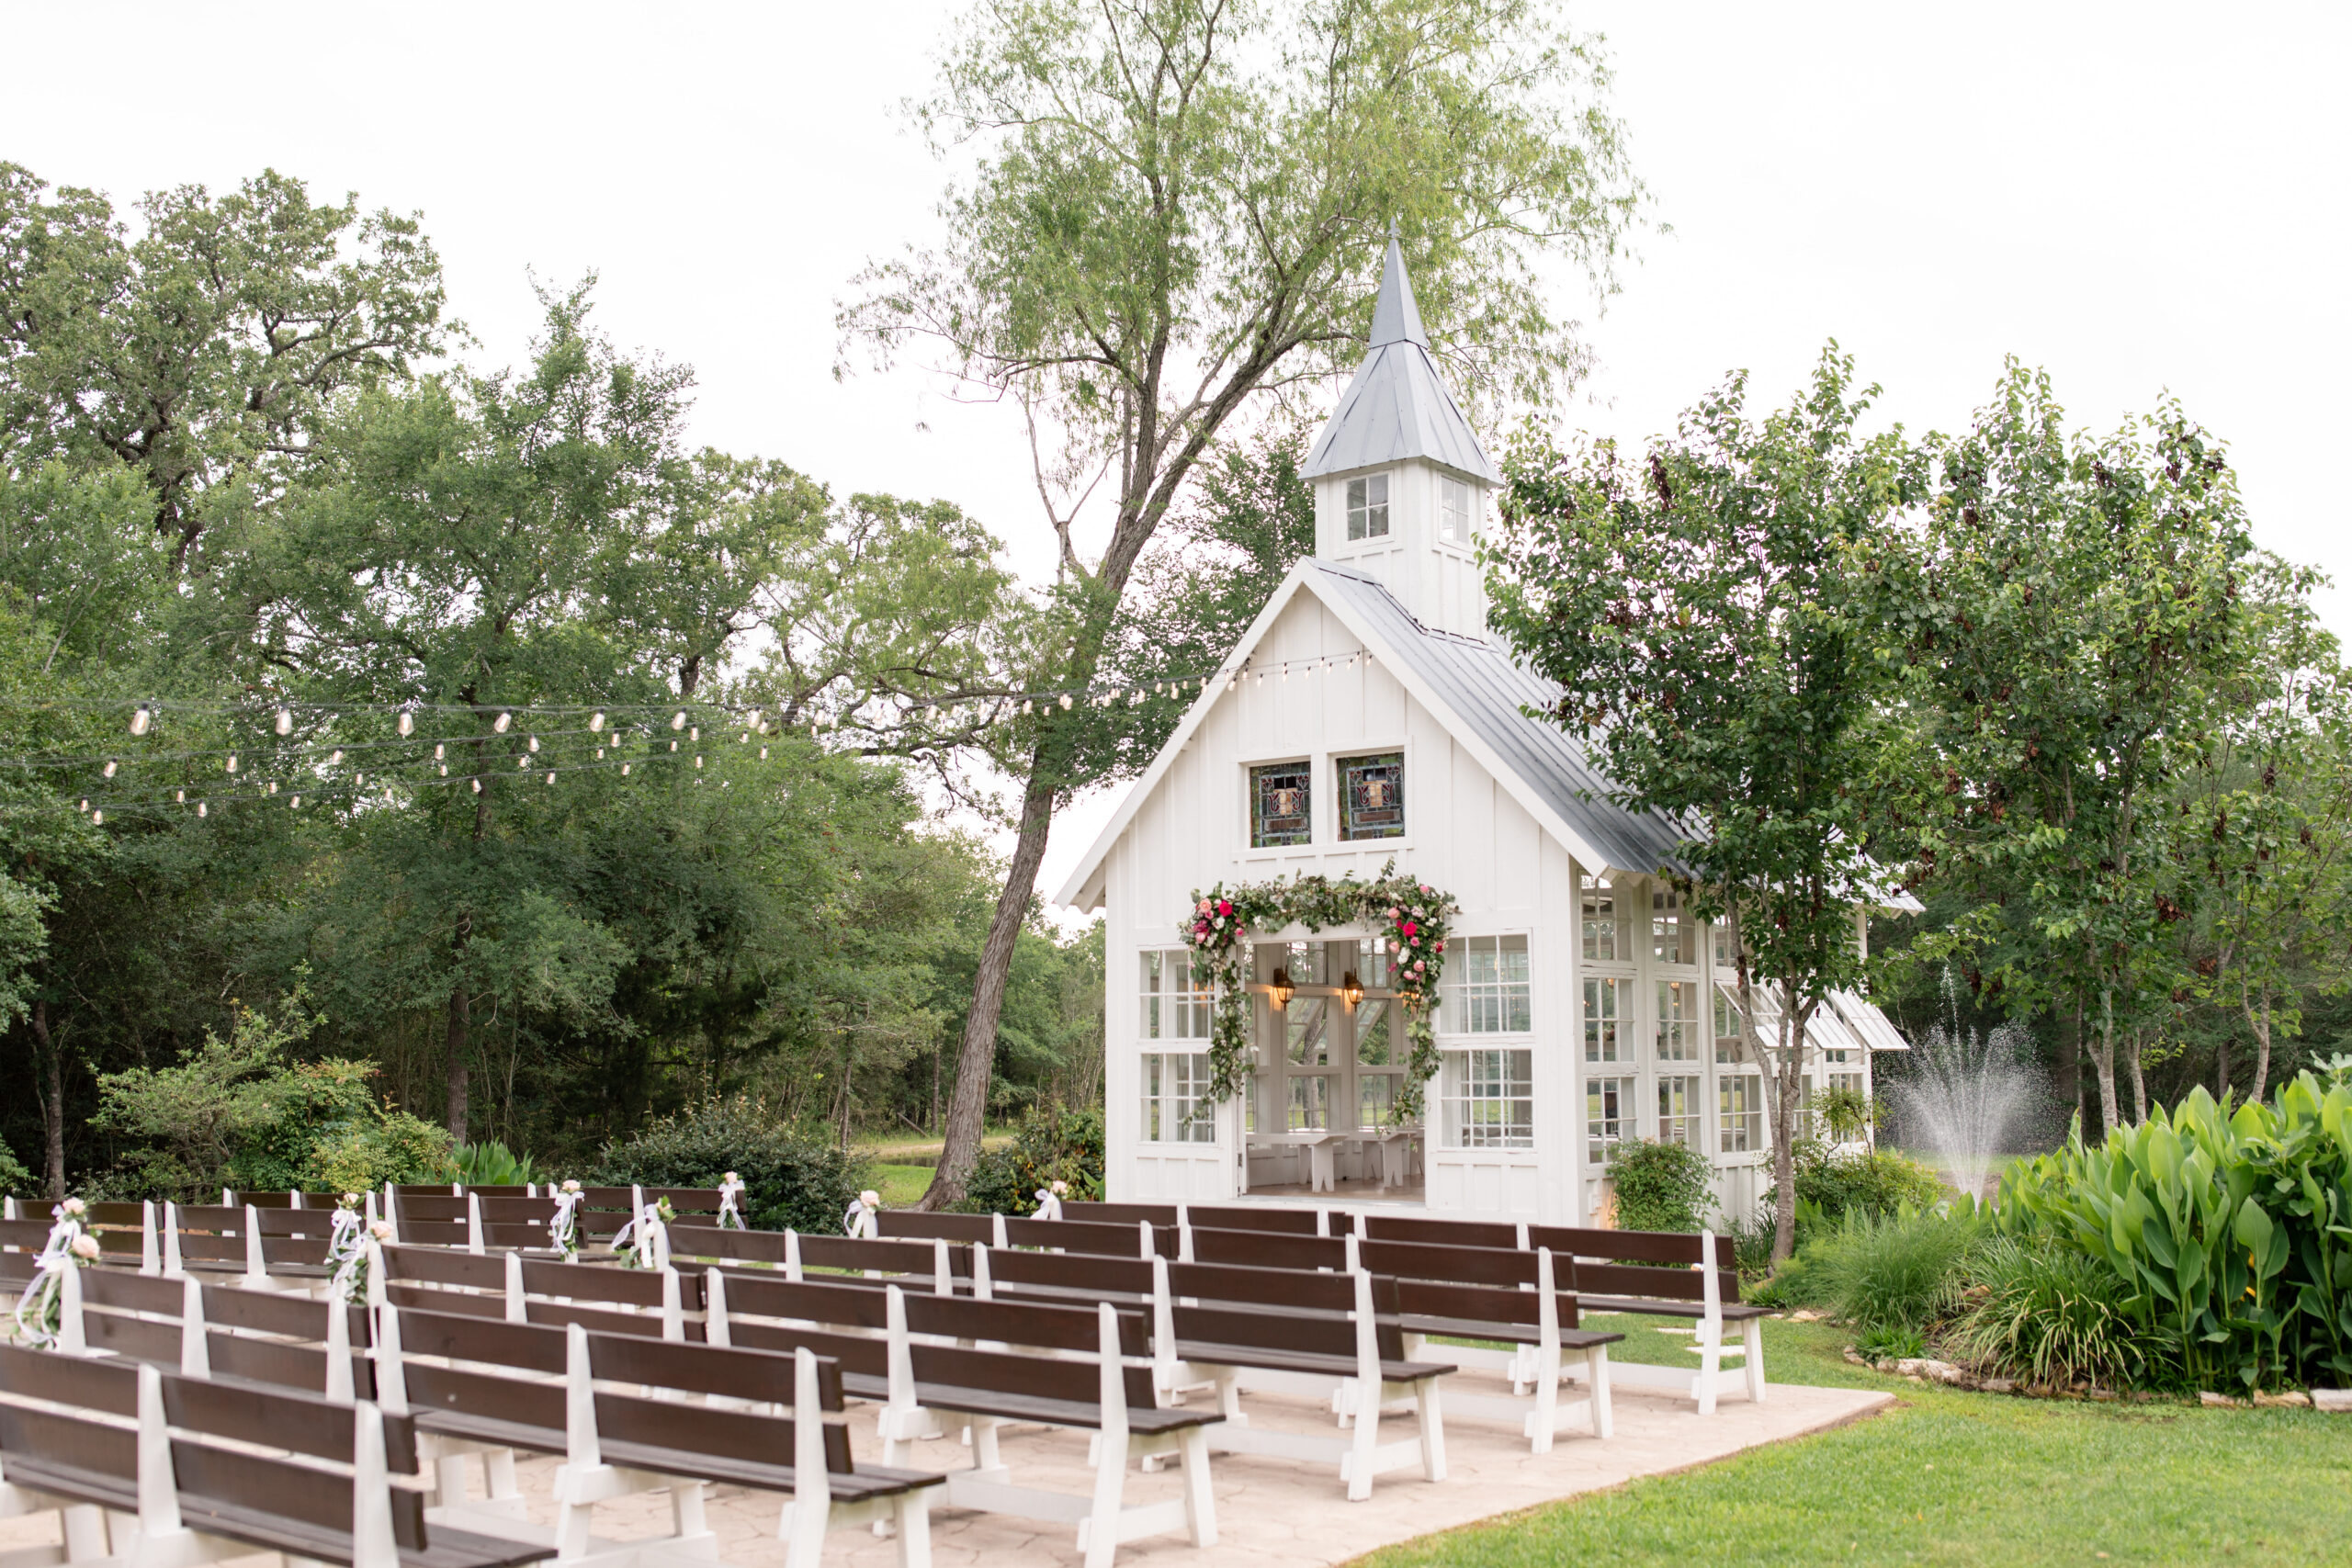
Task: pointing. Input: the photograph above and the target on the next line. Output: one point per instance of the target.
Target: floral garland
(40, 1310)
(1415, 915)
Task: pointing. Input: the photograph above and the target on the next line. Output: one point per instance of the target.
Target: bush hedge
(789, 1179)
(1659, 1186)
(1051, 1143)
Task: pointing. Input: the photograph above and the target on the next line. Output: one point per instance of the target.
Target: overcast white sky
(2140, 196)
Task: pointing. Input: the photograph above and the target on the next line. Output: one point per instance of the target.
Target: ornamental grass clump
(1893, 1271)
(2050, 1315)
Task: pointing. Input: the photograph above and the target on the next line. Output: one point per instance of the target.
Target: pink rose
(1408, 928)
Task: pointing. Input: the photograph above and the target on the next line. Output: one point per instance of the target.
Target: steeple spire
(1396, 318)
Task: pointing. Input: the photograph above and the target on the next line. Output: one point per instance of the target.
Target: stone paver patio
(1269, 1511)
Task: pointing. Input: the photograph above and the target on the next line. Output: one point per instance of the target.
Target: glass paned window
(1379, 1037)
(1739, 1098)
(1310, 1105)
(1608, 1116)
(1600, 921)
(1681, 1113)
(1667, 933)
(1725, 957)
(1368, 507)
(1307, 1032)
(1488, 1098)
(1281, 805)
(1372, 961)
(1372, 796)
(1457, 512)
(1175, 1003)
(1731, 1044)
(1678, 1020)
(1174, 1108)
(1487, 991)
(1376, 1098)
(1602, 1001)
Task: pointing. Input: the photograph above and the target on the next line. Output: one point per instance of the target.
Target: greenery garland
(1415, 916)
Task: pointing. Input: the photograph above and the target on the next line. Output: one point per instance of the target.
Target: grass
(1950, 1478)
(901, 1185)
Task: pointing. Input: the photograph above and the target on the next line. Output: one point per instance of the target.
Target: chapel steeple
(1400, 478)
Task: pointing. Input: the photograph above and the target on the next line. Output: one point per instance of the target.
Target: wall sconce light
(1350, 990)
(1280, 989)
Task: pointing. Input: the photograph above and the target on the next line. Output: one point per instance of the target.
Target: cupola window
(1368, 507)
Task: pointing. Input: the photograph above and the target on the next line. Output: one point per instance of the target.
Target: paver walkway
(1268, 1511)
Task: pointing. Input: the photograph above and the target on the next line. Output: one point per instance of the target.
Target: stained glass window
(1281, 804)
(1372, 796)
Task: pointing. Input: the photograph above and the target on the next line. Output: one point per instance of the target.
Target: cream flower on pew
(1061, 1188)
(73, 1206)
(85, 1245)
(728, 1177)
(572, 1187)
(381, 1230)
(870, 1198)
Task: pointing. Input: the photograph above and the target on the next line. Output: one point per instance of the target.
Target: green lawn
(1955, 1478)
(901, 1185)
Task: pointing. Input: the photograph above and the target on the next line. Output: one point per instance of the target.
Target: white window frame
(1741, 1130)
(1486, 1008)
(1590, 892)
(1358, 515)
(1601, 1132)
(1174, 1086)
(1508, 1069)
(1675, 1035)
(1667, 915)
(1169, 987)
(1681, 1109)
(1458, 506)
(1616, 987)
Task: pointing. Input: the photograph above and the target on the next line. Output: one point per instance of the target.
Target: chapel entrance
(1329, 1056)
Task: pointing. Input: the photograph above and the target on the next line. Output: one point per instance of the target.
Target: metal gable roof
(1484, 692)
(1398, 406)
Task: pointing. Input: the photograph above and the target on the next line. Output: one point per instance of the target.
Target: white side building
(1368, 717)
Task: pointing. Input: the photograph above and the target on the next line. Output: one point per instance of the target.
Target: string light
(233, 762)
(407, 726)
(678, 719)
(286, 723)
(97, 817)
(110, 767)
(595, 724)
(439, 751)
(140, 720)
(535, 742)
(503, 722)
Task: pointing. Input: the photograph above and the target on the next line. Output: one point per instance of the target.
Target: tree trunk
(2103, 1059)
(2261, 1022)
(2139, 1081)
(975, 1061)
(52, 1108)
(461, 1014)
(2070, 1055)
(2221, 1068)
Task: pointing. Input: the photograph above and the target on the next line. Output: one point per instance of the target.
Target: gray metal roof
(1398, 406)
(1485, 691)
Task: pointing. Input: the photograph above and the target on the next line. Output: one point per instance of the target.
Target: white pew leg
(498, 1475)
(1751, 1333)
(1547, 1406)
(1711, 1364)
(1200, 1498)
(1596, 1363)
(685, 1509)
(1358, 1466)
(450, 1475)
(572, 1522)
(912, 1514)
(1433, 1424)
(84, 1525)
(806, 1546)
(1098, 1537)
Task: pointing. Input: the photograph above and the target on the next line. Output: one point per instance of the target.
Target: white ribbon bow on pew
(644, 1242)
(563, 1225)
(730, 1218)
(858, 1218)
(69, 1246)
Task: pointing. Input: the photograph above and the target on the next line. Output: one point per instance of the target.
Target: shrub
(2048, 1314)
(1898, 1270)
(2231, 1232)
(1659, 1186)
(789, 1180)
(393, 1146)
(493, 1165)
(1051, 1143)
(15, 1181)
(1868, 1181)
(1892, 1343)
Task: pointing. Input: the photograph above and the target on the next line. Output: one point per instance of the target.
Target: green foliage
(236, 1113)
(492, 1163)
(1898, 1270)
(1051, 1143)
(1847, 1112)
(1892, 1343)
(2232, 1232)
(15, 1181)
(2048, 1314)
(789, 1180)
(1659, 1186)
(1871, 1182)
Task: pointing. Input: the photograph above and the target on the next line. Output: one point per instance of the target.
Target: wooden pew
(1375, 1226)
(1616, 1271)
(909, 1224)
(218, 1331)
(1268, 1249)
(1494, 1293)
(1142, 1239)
(174, 1459)
(932, 1264)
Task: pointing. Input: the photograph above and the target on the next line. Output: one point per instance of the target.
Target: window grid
(1458, 511)
(1489, 1099)
(1739, 1098)
(1668, 932)
(1368, 507)
(1678, 1020)
(1680, 1112)
(1492, 995)
(1175, 1004)
(1174, 1086)
(1608, 1116)
(1601, 920)
(1601, 1013)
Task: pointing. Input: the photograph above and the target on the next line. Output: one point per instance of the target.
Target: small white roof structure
(1398, 406)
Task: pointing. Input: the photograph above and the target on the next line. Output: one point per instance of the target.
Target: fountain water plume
(1969, 1100)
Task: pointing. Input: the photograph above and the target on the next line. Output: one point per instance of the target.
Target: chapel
(1367, 716)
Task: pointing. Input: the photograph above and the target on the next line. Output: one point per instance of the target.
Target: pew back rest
(439, 1266)
(1077, 1235)
(1089, 1211)
(1028, 1324)
(1656, 1264)
(1439, 1233)
(839, 1305)
(906, 1224)
(602, 1282)
(1070, 1270)
(1040, 1377)
(1268, 1249)
(1461, 1265)
(1254, 1217)
(1304, 1290)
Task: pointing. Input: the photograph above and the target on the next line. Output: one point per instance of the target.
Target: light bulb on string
(522, 762)
(233, 762)
(551, 777)
(334, 757)
(199, 808)
(440, 751)
(477, 783)
(270, 788)
(596, 723)
(744, 738)
(445, 769)
(110, 765)
(673, 745)
(97, 817)
(600, 753)
(84, 805)
(696, 733)
(285, 722)
(1065, 700)
(764, 753)
(697, 762)
(1024, 708)
(503, 722)
(623, 770)
(295, 803)
(141, 719)
(180, 797)
(678, 719)
(407, 726)
(357, 780)
(535, 742)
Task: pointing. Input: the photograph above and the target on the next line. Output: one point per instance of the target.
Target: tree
(1706, 616)
(2073, 620)
(1175, 212)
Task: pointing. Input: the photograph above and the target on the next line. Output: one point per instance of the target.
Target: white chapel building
(1367, 716)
